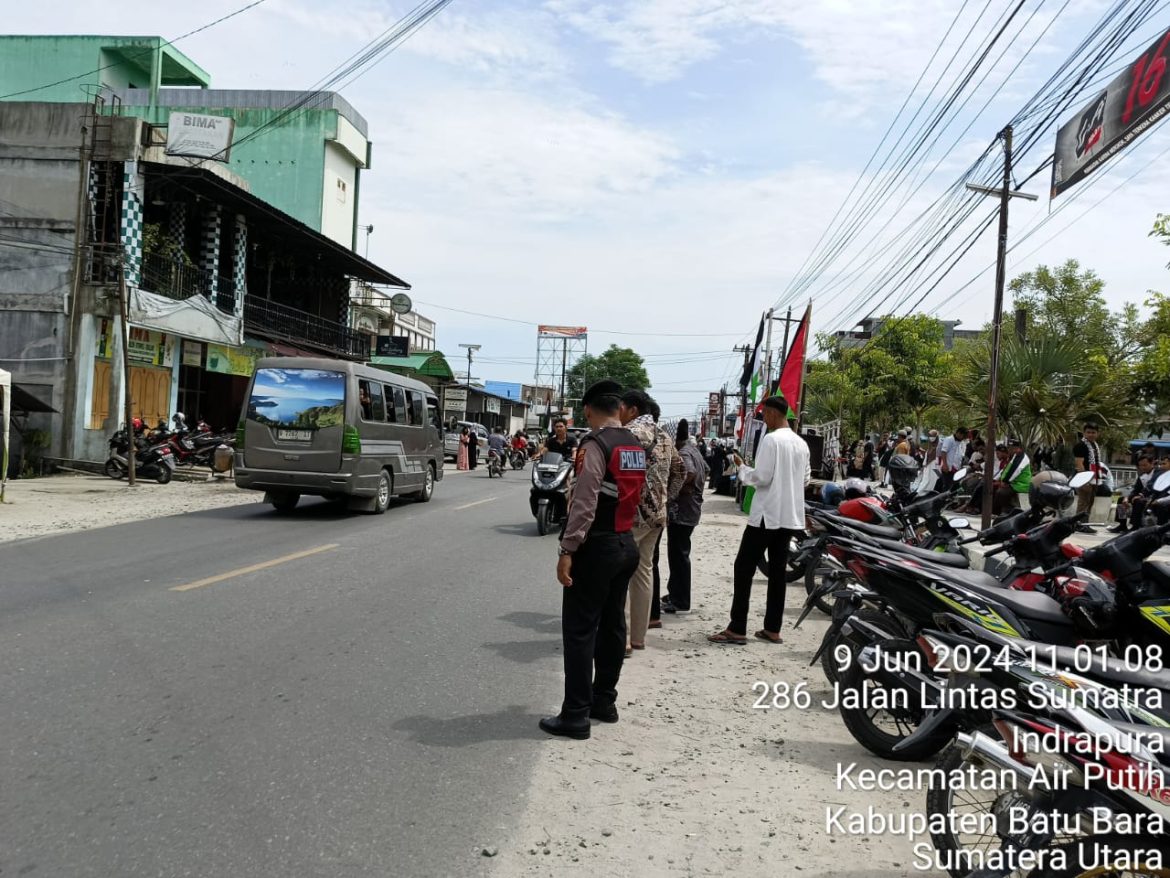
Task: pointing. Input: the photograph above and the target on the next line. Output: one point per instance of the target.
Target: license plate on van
(295, 435)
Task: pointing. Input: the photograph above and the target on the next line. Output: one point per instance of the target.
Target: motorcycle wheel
(543, 519)
(947, 800)
(113, 470)
(164, 474)
(879, 729)
(884, 621)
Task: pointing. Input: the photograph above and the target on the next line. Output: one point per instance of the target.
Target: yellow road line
(252, 568)
(476, 503)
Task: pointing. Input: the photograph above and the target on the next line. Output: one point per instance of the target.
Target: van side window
(416, 410)
(396, 406)
(433, 413)
(391, 413)
(370, 400)
(410, 419)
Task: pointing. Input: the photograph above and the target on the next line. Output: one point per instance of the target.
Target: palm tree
(1046, 388)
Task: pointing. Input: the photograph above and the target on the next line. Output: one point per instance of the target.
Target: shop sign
(231, 361)
(148, 346)
(192, 353)
(491, 405)
(200, 136)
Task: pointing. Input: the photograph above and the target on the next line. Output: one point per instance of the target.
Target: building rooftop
(248, 99)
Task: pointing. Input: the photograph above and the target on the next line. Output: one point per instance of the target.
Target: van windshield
(298, 398)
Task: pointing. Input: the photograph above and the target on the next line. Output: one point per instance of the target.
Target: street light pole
(1005, 195)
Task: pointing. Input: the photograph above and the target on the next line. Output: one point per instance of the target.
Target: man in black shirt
(560, 442)
(1087, 457)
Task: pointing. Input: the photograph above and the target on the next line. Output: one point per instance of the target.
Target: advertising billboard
(199, 136)
(1120, 113)
(562, 331)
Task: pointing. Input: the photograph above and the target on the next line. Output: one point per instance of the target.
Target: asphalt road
(366, 708)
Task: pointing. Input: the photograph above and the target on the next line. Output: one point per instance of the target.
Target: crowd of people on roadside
(1011, 469)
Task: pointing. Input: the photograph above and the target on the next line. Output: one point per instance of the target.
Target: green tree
(890, 379)
(623, 365)
(1047, 388)
(1067, 305)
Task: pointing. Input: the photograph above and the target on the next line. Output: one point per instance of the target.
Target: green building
(302, 152)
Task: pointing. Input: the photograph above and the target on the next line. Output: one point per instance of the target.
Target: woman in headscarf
(464, 438)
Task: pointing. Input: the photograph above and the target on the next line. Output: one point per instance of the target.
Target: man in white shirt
(777, 515)
(951, 452)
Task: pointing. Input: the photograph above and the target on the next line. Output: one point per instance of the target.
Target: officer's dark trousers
(593, 621)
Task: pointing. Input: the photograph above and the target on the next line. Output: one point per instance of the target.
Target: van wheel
(385, 489)
(424, 496)
(284, 501)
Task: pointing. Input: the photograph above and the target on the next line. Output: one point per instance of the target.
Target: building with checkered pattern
(222, 258)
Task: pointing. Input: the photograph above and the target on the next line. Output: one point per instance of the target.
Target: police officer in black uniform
(597, 557)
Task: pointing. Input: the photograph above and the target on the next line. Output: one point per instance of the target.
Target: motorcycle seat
(1033, 605)
(880, 531)
(945, 559)
(1157, 570)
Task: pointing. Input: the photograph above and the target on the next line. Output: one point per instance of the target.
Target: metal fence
(290, 324)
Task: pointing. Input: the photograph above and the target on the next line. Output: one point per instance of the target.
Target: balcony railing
(288, 324)
(169, 277)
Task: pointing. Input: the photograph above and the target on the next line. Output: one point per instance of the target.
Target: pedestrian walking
(777, 514)
(596, 558)
(1087, 458)
(664, 475)
(463, 456)
(682, 517)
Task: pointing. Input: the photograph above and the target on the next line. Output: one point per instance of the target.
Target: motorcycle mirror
(958, 523)
(960, 475)
(1162, 483)
(1082, 479)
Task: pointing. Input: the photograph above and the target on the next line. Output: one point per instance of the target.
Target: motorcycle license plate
(295, 435)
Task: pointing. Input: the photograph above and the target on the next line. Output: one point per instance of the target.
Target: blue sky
(661, 167)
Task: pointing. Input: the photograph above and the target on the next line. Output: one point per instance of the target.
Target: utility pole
(746, 350)
(1005, 194)
(471, 348)
(124, 313)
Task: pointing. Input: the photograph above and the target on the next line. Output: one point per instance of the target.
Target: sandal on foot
(655, 623)
(629, 651)
(726, 637)
(637, 646)
(764, 634)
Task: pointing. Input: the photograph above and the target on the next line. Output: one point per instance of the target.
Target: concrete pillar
(133, 188)
(240, 264)
(209, 254)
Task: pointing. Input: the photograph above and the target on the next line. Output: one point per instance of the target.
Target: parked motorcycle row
(1043, 692)
(160, 450)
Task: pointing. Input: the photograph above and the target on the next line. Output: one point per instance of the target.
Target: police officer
(597, 557)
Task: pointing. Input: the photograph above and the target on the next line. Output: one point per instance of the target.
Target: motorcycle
(495, 463)
(517, 458)
(548, 498)
(151, 461)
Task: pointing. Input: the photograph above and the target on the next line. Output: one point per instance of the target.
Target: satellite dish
(400, 303)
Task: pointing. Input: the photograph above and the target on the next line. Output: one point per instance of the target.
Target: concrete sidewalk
(79, 501)
(694, 779)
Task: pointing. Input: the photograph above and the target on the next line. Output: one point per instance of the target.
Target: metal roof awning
(25, 403)
(431, 363)
(213, 187)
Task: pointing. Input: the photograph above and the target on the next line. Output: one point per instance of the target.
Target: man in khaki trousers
(664, 478)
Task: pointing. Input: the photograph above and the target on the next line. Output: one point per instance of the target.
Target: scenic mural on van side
(298, 398)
